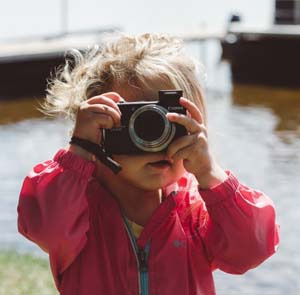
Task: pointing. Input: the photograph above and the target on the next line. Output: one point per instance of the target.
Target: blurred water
(255, 132)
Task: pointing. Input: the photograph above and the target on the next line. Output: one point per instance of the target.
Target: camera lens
(149, 129)
(149, 125)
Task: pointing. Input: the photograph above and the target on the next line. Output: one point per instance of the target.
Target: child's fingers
(181, 143)
(89, 124)
(101, 99)
(106, 110)
(189, 123)
(97, 113)
(103, 121)
(114, 96)
(184, 153)
(192, 109)
(111, 95)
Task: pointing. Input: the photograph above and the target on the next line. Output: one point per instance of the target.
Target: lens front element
(149, 129)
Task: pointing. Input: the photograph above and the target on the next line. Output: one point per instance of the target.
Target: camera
(144, 126)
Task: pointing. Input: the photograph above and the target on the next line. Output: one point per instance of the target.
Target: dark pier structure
(26, 74)
(26, 65)
(269, 56)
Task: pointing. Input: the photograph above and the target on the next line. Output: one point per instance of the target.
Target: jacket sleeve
(53, 210)
(239, 230)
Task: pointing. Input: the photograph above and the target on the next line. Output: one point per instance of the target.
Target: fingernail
(172, 115)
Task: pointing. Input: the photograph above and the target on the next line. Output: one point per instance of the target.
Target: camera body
(144, 126)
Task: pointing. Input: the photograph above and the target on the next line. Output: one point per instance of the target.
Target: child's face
(149, 171)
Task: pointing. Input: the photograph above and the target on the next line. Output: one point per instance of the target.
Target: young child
(167, 219)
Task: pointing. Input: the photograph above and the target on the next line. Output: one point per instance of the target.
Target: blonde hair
(140, 64)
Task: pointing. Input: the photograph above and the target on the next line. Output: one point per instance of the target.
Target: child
(167, 219)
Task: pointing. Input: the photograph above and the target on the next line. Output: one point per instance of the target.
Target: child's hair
(140, 64)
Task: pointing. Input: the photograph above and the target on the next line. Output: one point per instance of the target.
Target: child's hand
(94, 114)
(193, 148)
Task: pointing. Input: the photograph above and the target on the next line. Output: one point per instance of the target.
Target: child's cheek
(178, 168)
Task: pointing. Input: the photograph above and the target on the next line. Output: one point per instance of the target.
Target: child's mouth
(161, 164)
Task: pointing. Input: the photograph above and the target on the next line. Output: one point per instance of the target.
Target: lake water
(255, 132)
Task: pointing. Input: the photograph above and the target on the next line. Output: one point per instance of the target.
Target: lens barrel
(149, 128)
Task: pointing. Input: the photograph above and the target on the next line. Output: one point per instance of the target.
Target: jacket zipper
(141, 257)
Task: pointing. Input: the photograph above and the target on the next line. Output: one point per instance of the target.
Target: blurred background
(250, 54)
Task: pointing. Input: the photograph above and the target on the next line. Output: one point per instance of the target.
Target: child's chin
(148, 186)
(155, 183)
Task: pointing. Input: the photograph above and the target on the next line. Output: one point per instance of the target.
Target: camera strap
(98, 151)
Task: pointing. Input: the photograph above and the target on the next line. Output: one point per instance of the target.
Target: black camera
(144, 125)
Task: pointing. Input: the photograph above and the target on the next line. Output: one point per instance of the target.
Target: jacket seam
(182, 225)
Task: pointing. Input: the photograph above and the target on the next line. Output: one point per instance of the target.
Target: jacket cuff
(74, 162)
(220, 192)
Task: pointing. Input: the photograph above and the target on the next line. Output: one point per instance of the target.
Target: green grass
(24, 274)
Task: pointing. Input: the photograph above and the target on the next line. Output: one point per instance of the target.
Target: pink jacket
(92, 251)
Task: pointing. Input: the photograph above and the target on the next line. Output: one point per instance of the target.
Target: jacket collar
(162, 213)
(165, 211)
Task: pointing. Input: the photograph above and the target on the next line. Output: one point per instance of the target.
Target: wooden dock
(202, 34)
(25, 65)
(23, 48)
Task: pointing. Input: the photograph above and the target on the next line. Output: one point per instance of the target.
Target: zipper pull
(143, 260)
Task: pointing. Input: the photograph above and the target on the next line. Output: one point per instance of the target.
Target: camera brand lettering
(175, 108)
